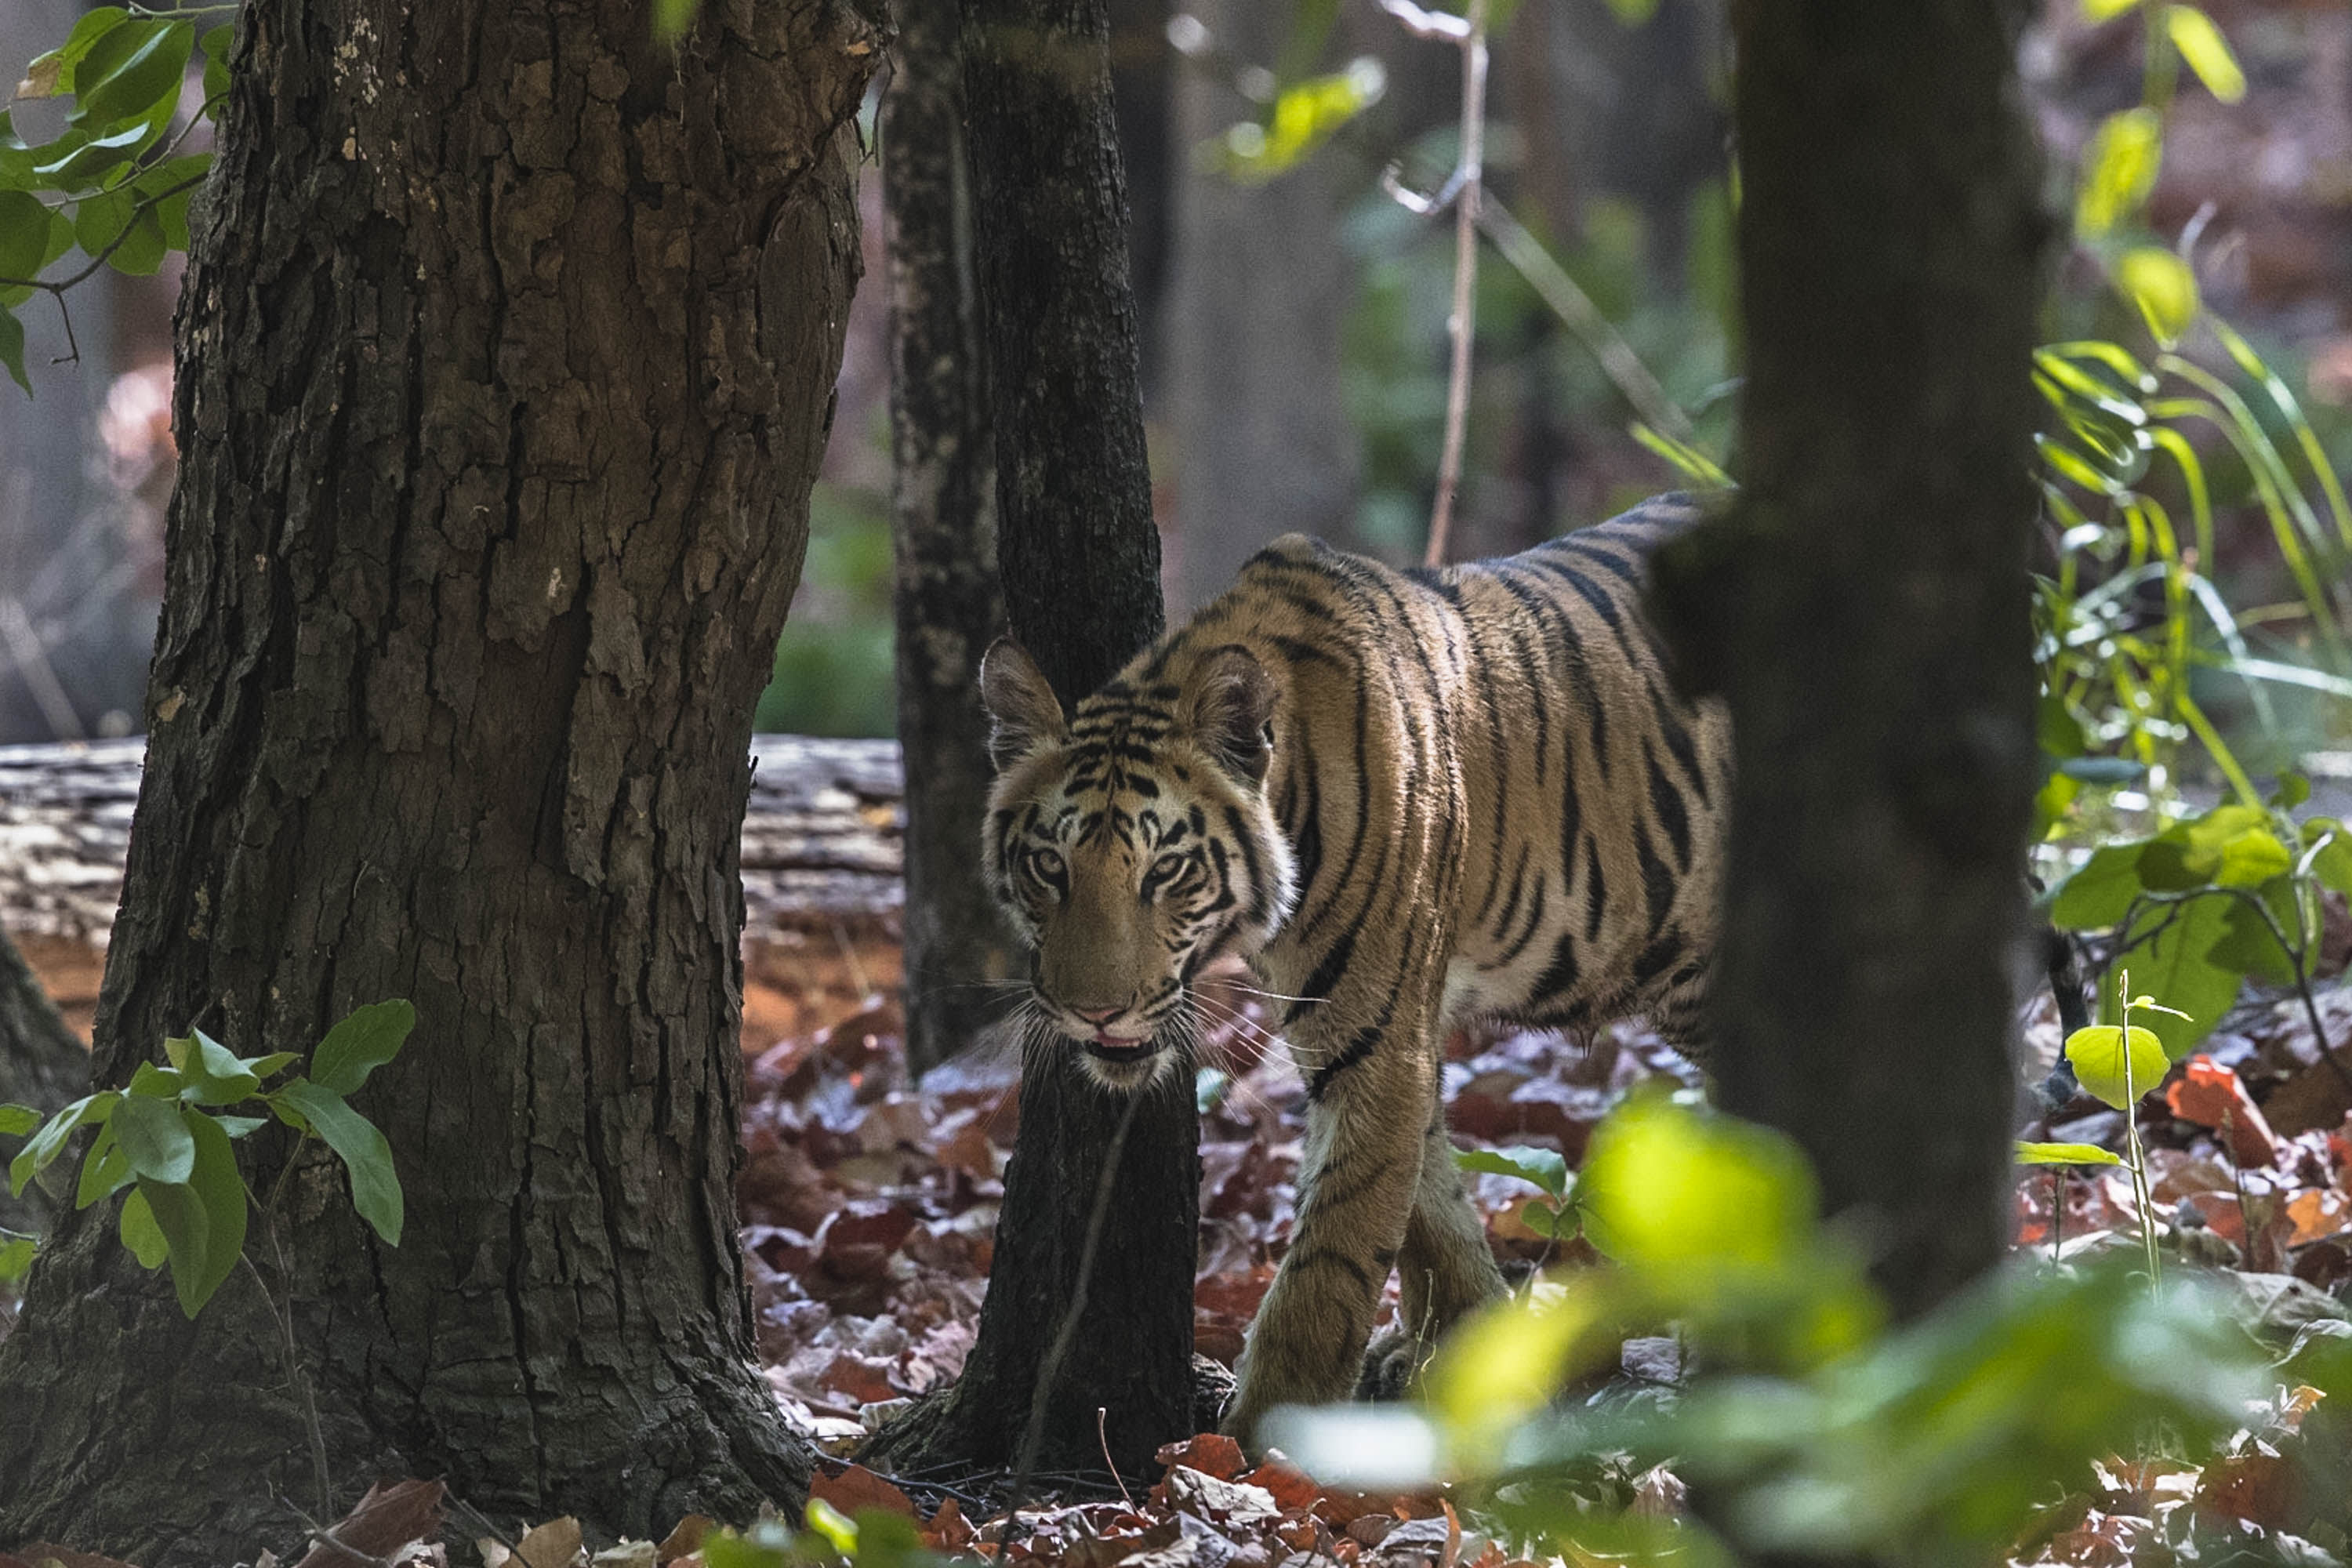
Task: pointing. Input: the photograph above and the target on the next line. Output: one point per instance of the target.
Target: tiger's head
(1132, 843)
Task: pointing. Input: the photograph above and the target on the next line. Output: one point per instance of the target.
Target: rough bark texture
(1080, 563)
(41, 1065)
(1864, 609)
(505, 359)
(943, 522)
(1262, 442)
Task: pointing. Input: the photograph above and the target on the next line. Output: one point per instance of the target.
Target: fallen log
(821, 835)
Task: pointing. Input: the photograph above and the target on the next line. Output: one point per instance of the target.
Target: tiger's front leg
(1355, 1188)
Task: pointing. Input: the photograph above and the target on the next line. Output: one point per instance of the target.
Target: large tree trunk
(505, 360)
(1080, 566)
(1865, 610)
(943, 521)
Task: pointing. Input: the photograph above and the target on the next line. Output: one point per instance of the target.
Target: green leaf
(2251, 859)
(221, 1191)
(1303, 117)
(2291, 790)
(2106, 10)
(2119, 170)
(363, 1042)
(186, 1226)
(2333, 864)
(140, 1233)
(2066, 1154)
(154, 1138)
(375, 1185)
(262, 1067)
(2164, 288)
(15, 1120)
(79, 158)
(2097, 1052)
(132, 70)
(155, 1083)
(215, 45)
(16, 1256)
(2246, 943)
(105, 1170)
(50, 1141)
(53, 73)
(1546, 1168)
(672, 18)
(2100, 892)
(2177, 967)
(11, 348)
(1634, 13)
(24, 235)
(239, 1126)
(2208, 53)
(214, 1075)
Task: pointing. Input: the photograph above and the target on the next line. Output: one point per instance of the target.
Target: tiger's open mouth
(1104, 1051)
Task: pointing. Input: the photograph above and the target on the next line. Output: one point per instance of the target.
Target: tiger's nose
(1099, 1015)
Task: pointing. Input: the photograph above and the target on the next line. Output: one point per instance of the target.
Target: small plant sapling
(166, 1138)
(2119, 1062)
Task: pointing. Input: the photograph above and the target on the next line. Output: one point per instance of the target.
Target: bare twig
(1470, 175)
(297, 1378)
(1102, 1435)
(1552, 284)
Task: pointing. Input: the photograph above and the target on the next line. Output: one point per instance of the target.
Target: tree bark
(943, 518)
(1080, 566)
(1260, 289)
(505, 361)
(42, 1065)
(1864, 609)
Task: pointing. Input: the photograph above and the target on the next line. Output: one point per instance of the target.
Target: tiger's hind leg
(1446, 1269)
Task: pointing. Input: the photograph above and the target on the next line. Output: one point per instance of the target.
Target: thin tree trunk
(1261, 287)
(42, 1065)
(943, 518)
(1080, 564)
(504, 367)
(1865, 610)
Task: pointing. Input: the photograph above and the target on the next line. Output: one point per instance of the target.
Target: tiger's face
(1131, 844)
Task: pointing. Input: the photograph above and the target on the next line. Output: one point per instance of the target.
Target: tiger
(1406, 798)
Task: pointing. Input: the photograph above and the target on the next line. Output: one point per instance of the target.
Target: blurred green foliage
(833, 666)
(1819, 1432)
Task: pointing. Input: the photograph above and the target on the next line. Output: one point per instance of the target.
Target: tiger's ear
(1227, 702)
(1021, 701)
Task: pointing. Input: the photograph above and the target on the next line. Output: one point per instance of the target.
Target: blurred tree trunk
(1262, 442)
(42, 1064)
(505, 365)
(1080, 563)
(943, 516)
(1864, 607)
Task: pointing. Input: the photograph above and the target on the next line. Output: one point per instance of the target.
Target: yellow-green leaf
(2106, 10)
(2162, 286)
(2208, 53)
(2028, 1153)
(2097, 1052)
(2119, 169)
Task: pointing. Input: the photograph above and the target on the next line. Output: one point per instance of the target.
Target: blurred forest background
(1295, 360)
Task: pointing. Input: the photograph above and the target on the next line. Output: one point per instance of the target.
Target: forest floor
(869, 1203)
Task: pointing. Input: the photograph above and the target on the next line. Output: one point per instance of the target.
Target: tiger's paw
(1391, 1364)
